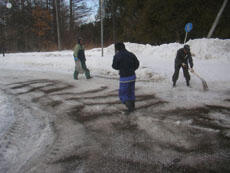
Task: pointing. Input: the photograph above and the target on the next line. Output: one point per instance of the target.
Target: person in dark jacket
(79, 58)
(126, 62)
(183, 57)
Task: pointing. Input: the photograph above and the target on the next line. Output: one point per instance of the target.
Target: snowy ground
(52, 123)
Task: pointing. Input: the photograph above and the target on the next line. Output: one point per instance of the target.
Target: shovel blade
(205, 85)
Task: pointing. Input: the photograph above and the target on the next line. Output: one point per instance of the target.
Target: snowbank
(211, 57)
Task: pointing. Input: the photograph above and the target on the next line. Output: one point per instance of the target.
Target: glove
(75, 58)
(191, 69)
(183, 64)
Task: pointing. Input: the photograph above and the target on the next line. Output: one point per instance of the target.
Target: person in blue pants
(127, 63)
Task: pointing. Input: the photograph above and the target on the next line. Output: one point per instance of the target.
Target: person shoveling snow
(183, 57)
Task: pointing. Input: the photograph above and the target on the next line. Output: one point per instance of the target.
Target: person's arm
(190, 60)
(116, 64)
(178, 58)
(76, 50)
(136, 62)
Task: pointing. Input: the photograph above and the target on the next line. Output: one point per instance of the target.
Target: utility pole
(217, 18)
(8, 6)
(114, 27)
(102, 13)
(58, 26)
(5, 36)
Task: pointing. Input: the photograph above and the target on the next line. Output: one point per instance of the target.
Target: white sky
(92, 4)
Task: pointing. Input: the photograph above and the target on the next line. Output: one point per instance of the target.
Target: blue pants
(127, 88)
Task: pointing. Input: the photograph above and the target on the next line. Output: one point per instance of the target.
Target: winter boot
(87, 74)
(133, 105)
(187, 83)
(174, 84)
(75, 75)
(130, 107)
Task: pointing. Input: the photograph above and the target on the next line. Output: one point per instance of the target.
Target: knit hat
(187, 47)
(79, 39)
(119, 46)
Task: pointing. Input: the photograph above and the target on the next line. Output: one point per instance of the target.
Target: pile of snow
(211, 49)
(211, 59)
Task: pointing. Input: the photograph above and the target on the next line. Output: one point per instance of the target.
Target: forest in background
(31, 25)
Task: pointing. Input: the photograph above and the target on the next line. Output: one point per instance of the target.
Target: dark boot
(75, 75)
(87, 74)
(133, 105)
(187, 83)
(174, 84)
(128, 104)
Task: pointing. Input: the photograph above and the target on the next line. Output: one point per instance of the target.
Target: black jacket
(126, 62)
(81, 55)
(182, 57)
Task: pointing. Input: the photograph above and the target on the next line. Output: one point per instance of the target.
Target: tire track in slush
(6, 143)
(29, 127)
(15, 140)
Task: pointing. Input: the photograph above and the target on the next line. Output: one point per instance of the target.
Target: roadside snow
(212, 59)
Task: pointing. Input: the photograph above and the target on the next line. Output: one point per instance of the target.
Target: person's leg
(126, 92)
(129, 105)
(87, 72)
(75, 74)
(186, 75)
(128, 95)
(124, 96)
(132, 97)
(176, 74)
(123, 92)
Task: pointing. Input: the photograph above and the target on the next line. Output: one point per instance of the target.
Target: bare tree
(71, 22)
(58, 26)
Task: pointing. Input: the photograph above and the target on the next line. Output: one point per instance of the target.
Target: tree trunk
(58, 26)
(47, 4)
(71, 16)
